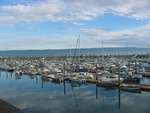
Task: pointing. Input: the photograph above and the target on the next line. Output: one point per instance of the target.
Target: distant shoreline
(75, 52)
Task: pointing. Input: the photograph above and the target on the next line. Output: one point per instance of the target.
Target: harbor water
(33, 94)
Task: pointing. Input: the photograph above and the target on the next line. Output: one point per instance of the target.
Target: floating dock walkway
(143, 86)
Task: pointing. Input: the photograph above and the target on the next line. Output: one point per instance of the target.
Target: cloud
(6, 36)
(90, 38)
(76, 12)
(135, 37)
(49, 42)
(64, 10)
(76, 23)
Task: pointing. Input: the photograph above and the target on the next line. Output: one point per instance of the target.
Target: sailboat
(79, 77)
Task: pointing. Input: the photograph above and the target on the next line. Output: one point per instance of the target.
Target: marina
(76, 83)
(60, 56)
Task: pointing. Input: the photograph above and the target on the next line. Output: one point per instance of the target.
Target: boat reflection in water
(69, 97)
(76, 90)
(131, 88)
(132, 91)
(57, 81)
(76, 84)
(104, 82)
(46, 79)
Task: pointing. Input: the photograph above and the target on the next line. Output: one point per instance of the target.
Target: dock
(143, 86)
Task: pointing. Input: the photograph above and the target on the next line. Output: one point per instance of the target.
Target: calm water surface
(34, 95)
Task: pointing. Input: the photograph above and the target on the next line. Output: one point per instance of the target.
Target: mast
(79, 53)
(70, 51)
(127, 51)
(102, 51)
(79, 47)
(148, 51)
(148, 48)
(75, 52)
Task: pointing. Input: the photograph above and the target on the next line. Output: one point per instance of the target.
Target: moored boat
(47, 73)
(113, 77)
(130, 87)
(105, 82)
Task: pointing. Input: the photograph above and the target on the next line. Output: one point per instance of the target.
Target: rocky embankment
(5, 107)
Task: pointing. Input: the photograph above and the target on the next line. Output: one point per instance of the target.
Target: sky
(57, 24)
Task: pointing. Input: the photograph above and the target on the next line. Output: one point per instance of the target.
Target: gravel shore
(5, 107)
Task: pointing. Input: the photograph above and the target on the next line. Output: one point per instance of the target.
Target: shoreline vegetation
(6, 107)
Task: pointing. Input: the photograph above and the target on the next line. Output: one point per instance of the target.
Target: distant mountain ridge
(83, 51)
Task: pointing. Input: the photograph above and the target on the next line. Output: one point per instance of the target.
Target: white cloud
(29, 11)
(77, 23)
(52, 42)
(136, 37)
(64, 10)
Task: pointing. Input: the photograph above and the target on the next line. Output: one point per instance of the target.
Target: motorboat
(83, 75)
(143, 72)
(113, 77)
(130, 86)
(75, 78)
(105, 82)
(47, 73)
(131, 80)
(134, 88)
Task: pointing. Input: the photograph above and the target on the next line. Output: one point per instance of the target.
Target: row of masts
(41, 62)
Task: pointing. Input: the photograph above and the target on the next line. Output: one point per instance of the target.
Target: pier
(143, 86)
